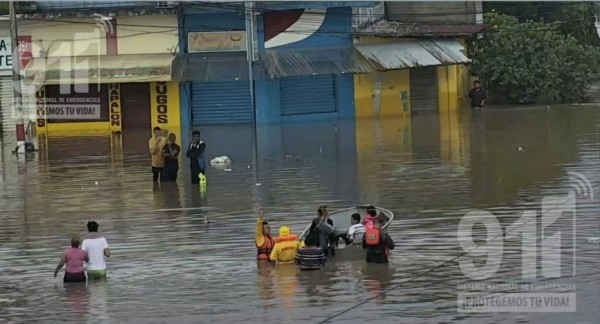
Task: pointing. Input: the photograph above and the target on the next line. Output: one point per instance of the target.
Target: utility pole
(18, 99)
(250, 26)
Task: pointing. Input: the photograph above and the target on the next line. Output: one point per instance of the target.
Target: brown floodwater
(169, 266)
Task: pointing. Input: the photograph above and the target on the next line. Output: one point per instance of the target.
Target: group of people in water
(165, 155)
(93, 251)
(322, 239)
(310, 254)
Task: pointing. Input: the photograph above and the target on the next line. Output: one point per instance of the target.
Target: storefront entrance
(135, 105)
(135, 114)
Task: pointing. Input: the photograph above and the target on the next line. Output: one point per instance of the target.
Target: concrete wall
(66, 37)
(141, 40)
(84, 36)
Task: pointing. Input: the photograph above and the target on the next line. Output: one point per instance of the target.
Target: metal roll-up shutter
(423, 89)
(221, 102)
(307, 95)
(7, 112)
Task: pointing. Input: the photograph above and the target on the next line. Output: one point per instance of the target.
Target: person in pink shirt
(73, 258)
(370, 217)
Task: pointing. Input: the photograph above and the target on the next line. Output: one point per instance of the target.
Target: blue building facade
(303, 69)
(295, 79)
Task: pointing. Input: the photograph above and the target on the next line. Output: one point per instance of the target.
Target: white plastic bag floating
(220, 161)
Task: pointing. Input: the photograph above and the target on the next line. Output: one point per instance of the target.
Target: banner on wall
(165, 109)
(114, 101)
(75, 105)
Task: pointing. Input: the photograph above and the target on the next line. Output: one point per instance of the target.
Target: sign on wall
(164, 102)
(114, 101)
(5, 53)
(230, 41)
(24, 49)
(76, 106)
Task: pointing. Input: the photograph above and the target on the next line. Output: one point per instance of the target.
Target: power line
(302, 32)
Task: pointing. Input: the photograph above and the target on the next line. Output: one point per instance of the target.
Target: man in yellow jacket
(157, 143)
(286, 246)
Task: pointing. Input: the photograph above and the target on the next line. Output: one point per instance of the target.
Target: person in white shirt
(97, 249)
(356, 231)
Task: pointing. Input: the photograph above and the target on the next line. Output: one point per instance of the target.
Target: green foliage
(575, 18)
(522, 61)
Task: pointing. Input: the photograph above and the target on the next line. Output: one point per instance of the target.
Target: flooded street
(169, 266)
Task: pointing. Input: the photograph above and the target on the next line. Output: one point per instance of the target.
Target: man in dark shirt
(477, 96)
(196, 154)
(378, 253)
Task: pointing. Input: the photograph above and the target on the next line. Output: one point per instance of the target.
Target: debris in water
(248, 166)
(520, 148)
(320, 149)
(595, 240)
(258, 184)
(227, 170)
(96, 183)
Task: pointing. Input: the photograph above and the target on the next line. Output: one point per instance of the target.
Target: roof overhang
(413, 53)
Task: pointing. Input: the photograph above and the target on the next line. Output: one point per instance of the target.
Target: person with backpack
(377, 243)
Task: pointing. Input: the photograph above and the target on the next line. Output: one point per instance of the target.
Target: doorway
(136, 117)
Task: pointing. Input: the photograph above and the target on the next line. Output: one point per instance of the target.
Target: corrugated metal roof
(306, 61)
(207, 67)
(385, 28)
(446, 51)
(404, 55)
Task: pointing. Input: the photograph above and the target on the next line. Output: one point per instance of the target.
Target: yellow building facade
(388, 92)
(117, 71)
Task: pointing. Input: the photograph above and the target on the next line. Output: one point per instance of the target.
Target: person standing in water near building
(195, 153)
(156, 145)
(73, 258)
(477, 96)
(171, 153)
(97, 249)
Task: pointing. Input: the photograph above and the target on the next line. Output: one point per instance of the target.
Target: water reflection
(169, 265)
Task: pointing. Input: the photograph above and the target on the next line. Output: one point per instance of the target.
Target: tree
(576, 19)
(522, 61)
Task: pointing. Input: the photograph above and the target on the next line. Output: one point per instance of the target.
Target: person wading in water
(171, 153)
(97, 249)
(477, 96)
(196, 155)
(156, 144)
(263, 240)
(74, 258)
(377, 243)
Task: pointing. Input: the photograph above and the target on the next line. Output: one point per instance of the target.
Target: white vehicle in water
(342, 222)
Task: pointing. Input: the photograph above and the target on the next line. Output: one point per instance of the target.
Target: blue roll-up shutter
(307, 95)
(221, 102)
